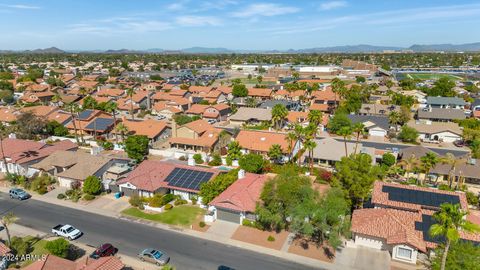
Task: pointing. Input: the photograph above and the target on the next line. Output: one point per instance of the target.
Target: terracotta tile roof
(297, 117)
(225, 89)
(8, 114)
(221, 106)
(259, 92)
(139, 96)
(13, 146)
(103, 263)
(30, 155)
(52, 262)
(41, 110)
(199, 89)
(149, 127)
(87, 84)
(327, 95)
(123, 104)
(4, 249)
(179, 93)
(110, 92)
(99, 99)
(243, 194)
(32, 97)
(214, 94)
(67, 77)
(207, 139)
(394, 226)
(163, 105)
(261, 140)
(197, 109)
(150, 175)
(37, 87)
(59, 116)
(379, 197)
(199, 126)
(320, 107)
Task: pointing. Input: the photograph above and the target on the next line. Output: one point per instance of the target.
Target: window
(404, 253)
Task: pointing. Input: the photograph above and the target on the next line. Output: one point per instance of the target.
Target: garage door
(228, 215)
(379, 133)
(129, 192)
(65, 182)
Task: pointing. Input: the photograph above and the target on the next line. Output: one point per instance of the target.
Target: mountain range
(361, 48)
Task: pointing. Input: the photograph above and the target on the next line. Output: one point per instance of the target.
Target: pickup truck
(67, 231)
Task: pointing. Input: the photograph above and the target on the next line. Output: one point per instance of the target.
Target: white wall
(413, 259)
(446, 136)
(369, 242)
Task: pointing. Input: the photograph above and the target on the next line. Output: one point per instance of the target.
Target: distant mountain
(206, 50)
(348, 49)
(469, 47)
(51, 50)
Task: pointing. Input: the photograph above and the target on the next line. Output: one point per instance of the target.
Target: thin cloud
(333, 5)
(19, 6)
(265, 9)
(197, 21)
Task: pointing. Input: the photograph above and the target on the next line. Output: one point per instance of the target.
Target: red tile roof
(150, 128)
(14, 146)
(46, 150)
(261, 140)
(243, 194)
(259, 92)
(4, 250)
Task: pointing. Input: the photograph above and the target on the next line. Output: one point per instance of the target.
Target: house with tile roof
(375, 125)
(400, 219)
(260, 142)
(155, 130)
(250, 116)
(239, 200)
(153, 176)
(4, 251)
(52, 262)
(196, 136)
(8, 115)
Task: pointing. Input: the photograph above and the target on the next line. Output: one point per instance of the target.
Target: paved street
(187, 252)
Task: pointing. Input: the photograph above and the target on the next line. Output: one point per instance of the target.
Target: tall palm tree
(315, 117)
(337, 86)
(345, 132)
(73, 109)
(450, 221)
(310, 146)
(358, 129)
(130, 93)
(6, 221)
(428, 162)
(291, 140)
(394, 119)
(410, 164)
(279, 113)
(451, 160)
(111, 107)
(299, 133)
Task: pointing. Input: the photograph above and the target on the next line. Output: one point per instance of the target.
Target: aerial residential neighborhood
(234, 135)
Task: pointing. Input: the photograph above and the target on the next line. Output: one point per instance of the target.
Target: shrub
(107, 145)
(69, 192)
(253, 163)
(168, 198)
(168, 207)
(270, 238)
(198, 159)
(445, 187)
(182, 158)
(216, 160)
(180, 202)
(135, 201)
(40, 183)
(228, 160)
(201, 224)
(61, 196)
(194, 200)
(42, 190)
(472, 199)
(249, 223)
(19, 245)
(58, 247)
(92, 185)
(388, 159)
(88, 197)
(156, 201)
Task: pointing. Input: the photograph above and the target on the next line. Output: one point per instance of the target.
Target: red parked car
(104, 251)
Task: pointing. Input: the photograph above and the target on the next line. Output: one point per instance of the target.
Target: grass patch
(183, 215)
(37, 249)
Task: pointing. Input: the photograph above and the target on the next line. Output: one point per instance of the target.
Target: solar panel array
(419, 197)
(424, 226)
(100, 124)
(85, 114)
(189, 179)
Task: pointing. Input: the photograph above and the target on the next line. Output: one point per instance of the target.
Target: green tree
(239, 90)
(137, 147)
(111, 107)
(211, 189)
(345, 132)
(89, 103)
(279, 113)
(450, 219)
(58, 247)
(198, 158)
(253, 163)
(356, 175)
(130, 93)
(234, 150)
(429, 161)
(360, 79)
(461, 255)
(358, 129)
(442, 87)
(92, 185)
(338, 121)
(388, 159)
(55, 128)
(315, 117)
(408, 134)
(275, 152)
(29, 126)
(309, 146)
(7, 220)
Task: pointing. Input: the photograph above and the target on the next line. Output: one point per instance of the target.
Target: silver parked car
(154, 256)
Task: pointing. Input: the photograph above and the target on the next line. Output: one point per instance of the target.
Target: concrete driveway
(363, 259)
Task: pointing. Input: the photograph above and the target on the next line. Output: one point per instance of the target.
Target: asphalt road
(186, 252)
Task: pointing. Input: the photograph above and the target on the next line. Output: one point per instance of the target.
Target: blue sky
(234, 24)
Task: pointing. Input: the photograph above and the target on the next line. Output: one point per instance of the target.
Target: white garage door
(65, 182)
(377, 132)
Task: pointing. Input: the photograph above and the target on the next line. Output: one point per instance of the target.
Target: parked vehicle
(154, 256)
(20, 194)
(459, 143)
(104, 251)
(67, 231)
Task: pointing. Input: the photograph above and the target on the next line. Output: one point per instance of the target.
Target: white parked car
(67, 231)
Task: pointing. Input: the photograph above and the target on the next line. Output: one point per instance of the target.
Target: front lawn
(179, 215)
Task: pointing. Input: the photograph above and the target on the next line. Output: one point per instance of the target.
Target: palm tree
(345, 132)
(122, 129)
(315, 117)
(451, 160)
(394, 119)
(429, 161)
(56, 99)
(409, 164)
(4, 159)
(130, 93)
(279, 112)
(111, 107)
(310, 146)
(73, 109)
(299, 133)
(275, 152)
(358, 129)
(251, 102)
(6, 221)
(337, 84)
(291, 140)
(450, 221)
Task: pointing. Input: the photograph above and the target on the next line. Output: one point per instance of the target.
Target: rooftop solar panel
(187, 178)
(424, 198)
(85, 114)
(100, 124)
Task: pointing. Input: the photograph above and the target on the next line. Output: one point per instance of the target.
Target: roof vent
(241, 174)
(263, 139)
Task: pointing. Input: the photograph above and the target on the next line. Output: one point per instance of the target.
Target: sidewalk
(223, 239)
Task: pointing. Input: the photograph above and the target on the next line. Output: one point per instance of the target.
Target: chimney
(191, 161)
(12, 136)
(174, 128)
(149, 103)
(241, 174)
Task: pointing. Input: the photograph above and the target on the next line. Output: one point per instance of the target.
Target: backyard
(182, 215)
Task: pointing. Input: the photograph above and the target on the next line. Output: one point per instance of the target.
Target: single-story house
(378, 109)
(198, 136)
(260, 142)
(437, 131)
(250, 116)
(152, 176)
(154, 129)
(440, 114)
(52, 262)
(375, 125)
(446, 102)
(239, 200)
